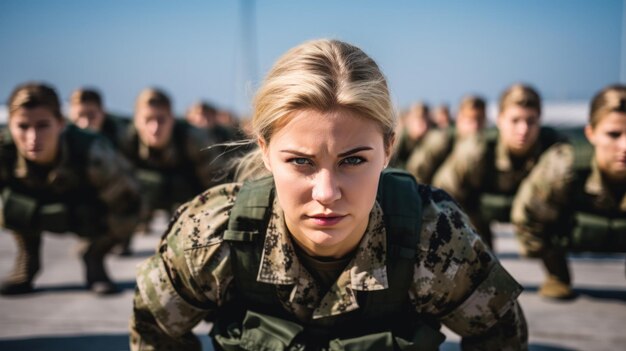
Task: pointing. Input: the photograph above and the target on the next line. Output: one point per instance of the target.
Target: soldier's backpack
(386, 319)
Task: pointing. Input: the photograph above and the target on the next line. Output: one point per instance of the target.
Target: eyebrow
(343, 154)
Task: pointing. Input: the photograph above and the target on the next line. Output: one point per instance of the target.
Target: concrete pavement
(62, 315)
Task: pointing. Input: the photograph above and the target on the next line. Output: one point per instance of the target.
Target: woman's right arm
(187, 278)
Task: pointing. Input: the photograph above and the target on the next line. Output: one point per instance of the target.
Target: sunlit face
(200, 119)
(36, 133)
(154, 125)
(470, 121)
(609, 141)
(326, 167)
(519, 128)
(416, 125)
(87, 116)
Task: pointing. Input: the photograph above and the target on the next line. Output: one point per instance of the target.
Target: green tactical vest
(386, 320)
(70, 203)
(164, 187)
(495, 202)
(590, 229)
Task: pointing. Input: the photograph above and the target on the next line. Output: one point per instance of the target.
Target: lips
(326, 220)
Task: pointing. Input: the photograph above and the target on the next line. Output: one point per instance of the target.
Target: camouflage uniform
(456, 279)
(548, 199)
(430, 155)
(97, 184)
(188, 159)
(478, 168)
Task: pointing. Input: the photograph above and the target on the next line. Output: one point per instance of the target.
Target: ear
(264, 153)
(589, 134)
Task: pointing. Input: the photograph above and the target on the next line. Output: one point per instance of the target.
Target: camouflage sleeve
(459, 281)
(117, 187)
(425, 160)
(187, 278)
(209, 162)
(460, 173)
(542, 198)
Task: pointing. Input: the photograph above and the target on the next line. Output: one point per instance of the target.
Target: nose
(31, 135)
(326, 187)
(154, 127)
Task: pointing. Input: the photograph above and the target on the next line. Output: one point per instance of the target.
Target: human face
(36, 132)
(154, 125)
(469, 121)
(608, 138)
(87, 116)
(519, 128)
(326, 167)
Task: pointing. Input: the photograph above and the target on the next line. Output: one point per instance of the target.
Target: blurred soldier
(575, 200)
(441, 117)
(171, 157)
(484, 171)
(204, 116)
(87, 112)
(61, 179)
(438, 143)
(414, 125)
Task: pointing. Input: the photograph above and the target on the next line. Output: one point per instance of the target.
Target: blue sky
(435, 51)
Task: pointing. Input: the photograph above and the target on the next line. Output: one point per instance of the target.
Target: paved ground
(61, 315)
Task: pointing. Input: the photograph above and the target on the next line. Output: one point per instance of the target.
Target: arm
(460, 282)
(542, 198)
(117, 187)
(461, 172)
(426, 159)
(187, 278)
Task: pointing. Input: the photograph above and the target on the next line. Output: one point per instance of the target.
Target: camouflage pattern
(468, 173)
(430, 155)
(109, 174)
(456, 279)
(544, 203)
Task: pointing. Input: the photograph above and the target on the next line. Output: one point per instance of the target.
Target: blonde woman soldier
(574, 200)
(484, 172)
(330, 252)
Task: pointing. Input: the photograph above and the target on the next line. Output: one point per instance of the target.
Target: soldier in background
(173, 160)
(203, 115)
(574, 200)
(61, 179)
(438, 143)
(87, 112)
(441, 117)
(413, 127)
(484, 171)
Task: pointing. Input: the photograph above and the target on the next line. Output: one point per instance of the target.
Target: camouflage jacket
(104, 172)
(456, 279)
(471, 170)
(548, 198)
(430, 155)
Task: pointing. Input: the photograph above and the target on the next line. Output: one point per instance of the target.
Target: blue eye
(353, 160)
(299, 161)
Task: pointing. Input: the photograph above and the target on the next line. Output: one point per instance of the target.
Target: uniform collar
(366, 271)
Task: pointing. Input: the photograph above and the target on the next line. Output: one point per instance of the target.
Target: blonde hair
(323, 75)
(520, 95)
(32, 95)
(610, 99)
(154, 97)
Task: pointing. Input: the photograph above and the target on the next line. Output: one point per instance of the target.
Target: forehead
(519, 111)
(335, 127)
(147, 111)
(613, 118)
(32, 114)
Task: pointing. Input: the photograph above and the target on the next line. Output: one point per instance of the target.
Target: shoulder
(202, 221)
(472, 148)
(556, 164)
